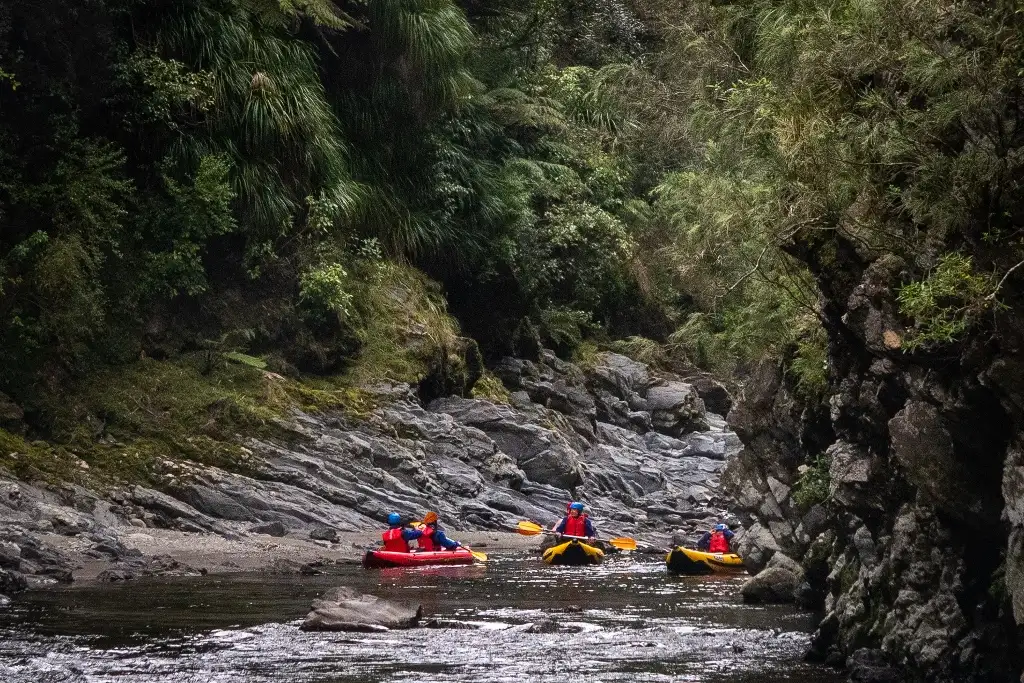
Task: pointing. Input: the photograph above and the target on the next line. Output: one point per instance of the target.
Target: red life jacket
(393, 541)
(575, 526)
(426, 541)
(719, 543)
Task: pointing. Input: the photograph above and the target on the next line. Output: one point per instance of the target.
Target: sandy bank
(255, 552)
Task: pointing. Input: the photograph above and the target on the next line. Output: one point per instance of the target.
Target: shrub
(812, 487)
(946, 303)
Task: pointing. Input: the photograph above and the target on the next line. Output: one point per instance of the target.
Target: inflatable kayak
(376, 559)
(686, 561)
(573, 553)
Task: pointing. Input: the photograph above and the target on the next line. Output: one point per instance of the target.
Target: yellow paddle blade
(480, 557)
(529, 528)
(622, 543)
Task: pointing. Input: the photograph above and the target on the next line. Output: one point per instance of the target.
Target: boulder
(676, 409)
(756, 546)
(276, 529)
(12, 581)
(343, 609)
(783, 561)
(772, 585)
(620, 375)
(324, 533)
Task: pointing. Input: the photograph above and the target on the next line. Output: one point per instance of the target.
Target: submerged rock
(772, 585)
(343, 609)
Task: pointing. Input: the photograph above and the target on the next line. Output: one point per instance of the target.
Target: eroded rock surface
(638, 448)
(899, 489)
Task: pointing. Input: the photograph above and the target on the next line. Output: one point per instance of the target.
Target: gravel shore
(214, 554)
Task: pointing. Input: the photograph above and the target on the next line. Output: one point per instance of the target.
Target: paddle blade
(480, 557)
(529, 528)
(622, 543)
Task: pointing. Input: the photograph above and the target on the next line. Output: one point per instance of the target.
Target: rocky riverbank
(638, 446)
(892, 502)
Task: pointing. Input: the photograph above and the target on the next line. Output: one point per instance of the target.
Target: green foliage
(323, 290)
(184, 222)
(640, 349)
(810, 364)
(246, 359)
(164, 91)
(490, 388)
(945, 304)
(812, 488)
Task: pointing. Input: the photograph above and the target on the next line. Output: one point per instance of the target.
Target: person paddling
(397, 537)
(576, 523)
(433, 537)
(716, 540)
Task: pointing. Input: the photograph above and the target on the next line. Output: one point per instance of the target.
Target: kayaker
(576, 523)
(397, 537)
(716, 540)
(433, 537)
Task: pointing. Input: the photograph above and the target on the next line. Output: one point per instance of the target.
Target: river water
(630, 620)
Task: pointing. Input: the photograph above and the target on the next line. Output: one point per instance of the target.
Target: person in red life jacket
(433, 537)
(397, 537)
(716, 540)
(576, 523)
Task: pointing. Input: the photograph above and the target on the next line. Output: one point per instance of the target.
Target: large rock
(757, 546)
(343, 609)
(620, 375)
(772, 585)
(676, 409)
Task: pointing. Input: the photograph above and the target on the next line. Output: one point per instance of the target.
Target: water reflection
(630, 621)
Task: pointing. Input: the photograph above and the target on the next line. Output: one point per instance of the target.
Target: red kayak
(376, 559)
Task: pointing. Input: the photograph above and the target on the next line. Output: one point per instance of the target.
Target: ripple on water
(629, 622)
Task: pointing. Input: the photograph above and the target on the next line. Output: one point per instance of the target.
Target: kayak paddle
(531, 529)
(480, 557)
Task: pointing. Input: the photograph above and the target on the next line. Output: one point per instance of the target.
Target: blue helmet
(394, 519)
(720, 527)
(576, 506)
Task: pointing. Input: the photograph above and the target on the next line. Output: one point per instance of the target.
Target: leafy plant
(324, 290)
(945, 304)
(812, 488)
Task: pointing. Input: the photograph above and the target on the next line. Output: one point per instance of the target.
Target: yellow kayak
(686, 561)
(573, 553)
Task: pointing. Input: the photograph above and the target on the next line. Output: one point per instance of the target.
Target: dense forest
(221, 217)
(252, 175)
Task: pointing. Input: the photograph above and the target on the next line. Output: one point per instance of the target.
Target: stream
(631, 621)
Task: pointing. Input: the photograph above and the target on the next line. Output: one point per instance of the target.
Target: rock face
(899, 490)
(343, 609)
(613, 435)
